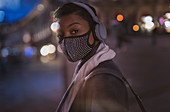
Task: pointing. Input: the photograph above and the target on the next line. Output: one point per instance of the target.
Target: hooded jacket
(101, 93)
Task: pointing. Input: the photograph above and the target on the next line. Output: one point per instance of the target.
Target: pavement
(32, 87)
(146, 67)
(37, 87)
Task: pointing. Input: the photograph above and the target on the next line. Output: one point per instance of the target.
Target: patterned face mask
(76, 47)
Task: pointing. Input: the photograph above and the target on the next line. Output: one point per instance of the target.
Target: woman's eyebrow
(72, 24)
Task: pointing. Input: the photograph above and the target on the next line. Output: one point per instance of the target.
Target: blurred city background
(34, 73)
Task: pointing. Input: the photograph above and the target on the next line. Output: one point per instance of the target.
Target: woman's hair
(70, 8)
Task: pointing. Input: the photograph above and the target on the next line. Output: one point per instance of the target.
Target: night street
(38, 36)
(38, 87)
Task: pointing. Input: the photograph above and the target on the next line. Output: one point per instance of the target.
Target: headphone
(100, 28)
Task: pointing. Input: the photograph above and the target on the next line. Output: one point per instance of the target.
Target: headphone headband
(100, 29)
(90, 11)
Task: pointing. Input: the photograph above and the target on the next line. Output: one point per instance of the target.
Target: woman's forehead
(71, 18)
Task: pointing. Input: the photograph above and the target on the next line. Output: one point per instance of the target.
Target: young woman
(96, 86)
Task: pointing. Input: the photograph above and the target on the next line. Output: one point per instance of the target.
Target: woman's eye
(74, 31)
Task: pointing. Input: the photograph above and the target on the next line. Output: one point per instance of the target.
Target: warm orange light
(135, 28)
(120, 17)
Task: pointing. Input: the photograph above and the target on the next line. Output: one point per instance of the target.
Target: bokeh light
(52, 16)
(51, 48)
(167, 23)
(5, 52)
(168, 30)
(167, 26)
(147, 19)
(47, 49)
(2, 16)
(135, 27)
(149, 25)
(161, 20)
(26, 38)
(44, 59)
(168, 15)
(16, 10)
(59, 49)
(54, 26)
(40, 7)
(29, 52)
(44, 50)
(119, 17)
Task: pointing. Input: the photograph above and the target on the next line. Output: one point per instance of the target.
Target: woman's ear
(91, 39)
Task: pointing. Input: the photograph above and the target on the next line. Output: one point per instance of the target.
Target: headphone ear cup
(101, 32)
(97, 32)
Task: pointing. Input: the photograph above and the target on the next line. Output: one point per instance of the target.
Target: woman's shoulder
(106, 70)
(105, 74)
(103, 80)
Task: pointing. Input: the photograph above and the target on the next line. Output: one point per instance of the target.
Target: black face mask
(76, 47)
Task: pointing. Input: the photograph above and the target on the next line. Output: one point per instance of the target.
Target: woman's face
(73, 25)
